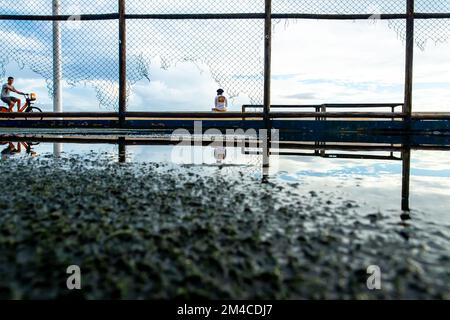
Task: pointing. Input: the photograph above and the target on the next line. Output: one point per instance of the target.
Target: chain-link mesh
(339, 7)
(430, 30)
(232, 49)
(44, 7)
(194, 6)
(432, 6)
(89, 53)
(66, 7)
(434, 30)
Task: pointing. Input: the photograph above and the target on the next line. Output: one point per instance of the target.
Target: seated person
(221, 102)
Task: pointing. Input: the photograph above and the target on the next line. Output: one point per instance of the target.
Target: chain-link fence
(230, 46)
(340, 6)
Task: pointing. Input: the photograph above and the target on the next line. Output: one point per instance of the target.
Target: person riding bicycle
(221, 102)
(7, 88)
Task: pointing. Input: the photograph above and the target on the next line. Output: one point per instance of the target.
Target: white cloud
(355, 62)
(313, 61)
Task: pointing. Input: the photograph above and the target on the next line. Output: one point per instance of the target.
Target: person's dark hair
(10, 78)
(220, 91)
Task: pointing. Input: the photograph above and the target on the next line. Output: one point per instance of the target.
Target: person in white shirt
(221, 102)
(7, 88)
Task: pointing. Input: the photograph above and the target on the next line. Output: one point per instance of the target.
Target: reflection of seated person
(220, 154)
(221, 102)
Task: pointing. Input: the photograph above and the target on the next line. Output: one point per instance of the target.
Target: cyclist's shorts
(8, 100)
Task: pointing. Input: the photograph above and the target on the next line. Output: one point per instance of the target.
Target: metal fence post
(57, 63)
(407, 108)
(122, 64)
(267, 62)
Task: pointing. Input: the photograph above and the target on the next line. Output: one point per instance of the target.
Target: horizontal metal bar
(237, 142)
(337, 115)
(205, 16)
(431, 15)
(247, 106)
(359, 147)
(219, 16)
(365, 16)
(75, 17)
(22, 115)
(127, 141)
(102, 115)
(339, 156)
(330, 105)
(225, 115)
(362, 105)
(360, 156)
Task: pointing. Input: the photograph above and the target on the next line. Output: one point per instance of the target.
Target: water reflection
(13, 149)
(406, 178)
(57, 150)
(122, 150)
(319, 149)
(268, 155)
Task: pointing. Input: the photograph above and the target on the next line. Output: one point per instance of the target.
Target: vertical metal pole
(57, 70)
(122, 64)
(57, 60)
(267, 62)
(407, 108)
(265, 134)
(406, 177)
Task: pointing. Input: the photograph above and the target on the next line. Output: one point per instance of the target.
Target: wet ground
(144, 222)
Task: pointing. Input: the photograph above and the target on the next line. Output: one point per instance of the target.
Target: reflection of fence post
(57, 68)
(267, 62)
(406, 176)
(407, 108)
(122, 150)
(57, 150)
(265, 141)
(122, 64)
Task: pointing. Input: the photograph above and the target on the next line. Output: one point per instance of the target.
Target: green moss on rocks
(150, 231)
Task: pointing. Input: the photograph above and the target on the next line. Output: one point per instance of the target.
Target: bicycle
(28, 106)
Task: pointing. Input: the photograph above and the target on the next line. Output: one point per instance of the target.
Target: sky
(179, 66)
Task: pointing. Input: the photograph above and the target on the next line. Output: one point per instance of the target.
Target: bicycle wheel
(34, 110)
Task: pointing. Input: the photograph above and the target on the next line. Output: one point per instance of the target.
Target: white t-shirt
(6, 89)
(221, 103)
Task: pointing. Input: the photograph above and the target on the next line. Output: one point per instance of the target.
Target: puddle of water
(321, 192)
(375, 180)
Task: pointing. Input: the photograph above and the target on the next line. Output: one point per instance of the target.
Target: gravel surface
(156, 231)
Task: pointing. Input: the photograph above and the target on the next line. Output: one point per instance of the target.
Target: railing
(210, 115)
(321, 109)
